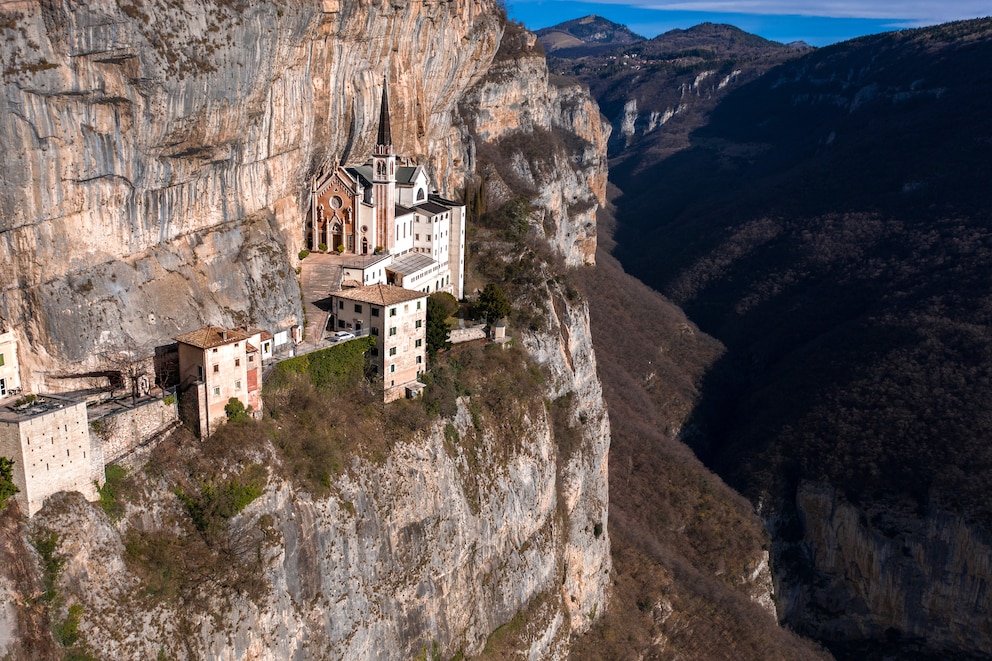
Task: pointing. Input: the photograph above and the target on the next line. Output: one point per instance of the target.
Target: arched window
(420, 194)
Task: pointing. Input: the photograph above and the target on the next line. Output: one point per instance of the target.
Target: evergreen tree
(7, 486)
(493, 304)
(437, 327)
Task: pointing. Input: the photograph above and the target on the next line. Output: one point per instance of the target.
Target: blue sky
(817, 22)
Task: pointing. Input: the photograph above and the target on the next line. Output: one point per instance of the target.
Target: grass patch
(110, 492)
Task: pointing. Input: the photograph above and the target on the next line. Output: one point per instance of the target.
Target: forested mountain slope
(830, 224)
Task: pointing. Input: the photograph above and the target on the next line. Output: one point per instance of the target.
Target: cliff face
(556, 136)
(884, 569)
(156, 161)
(153, 149)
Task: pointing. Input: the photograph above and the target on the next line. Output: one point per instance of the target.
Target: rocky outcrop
(890, 573)
(553, 136)
(152, 149)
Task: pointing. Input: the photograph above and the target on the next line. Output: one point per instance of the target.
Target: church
(387, 222)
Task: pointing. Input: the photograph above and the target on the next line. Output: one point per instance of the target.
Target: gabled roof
(212, 336)
(405, 174)
(363, 173)
(402, 210)
(430, 208)
(380, 294)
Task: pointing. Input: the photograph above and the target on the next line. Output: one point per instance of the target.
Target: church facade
(387, 208)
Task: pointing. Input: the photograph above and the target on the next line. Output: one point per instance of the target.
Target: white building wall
(10, 374)
(51, 453)
(456, 251)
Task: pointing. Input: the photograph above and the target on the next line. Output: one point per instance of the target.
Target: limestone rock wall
(882, 571)
(156, 155)
(518, 107)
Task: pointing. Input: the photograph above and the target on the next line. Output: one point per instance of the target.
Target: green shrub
(110, 491)
(236, 411)
(322, 247)
(169, 400)
(67, 631)
(303, 254)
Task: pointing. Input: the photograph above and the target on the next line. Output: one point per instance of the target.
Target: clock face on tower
(365, 229)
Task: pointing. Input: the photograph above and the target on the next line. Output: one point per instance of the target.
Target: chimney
(223, 335)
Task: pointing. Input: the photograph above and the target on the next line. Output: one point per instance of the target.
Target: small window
(1, 360)
(392, 351)
(215, 350)
(392, 368)
(417, 237)
(418, 305)
(374, 311)
(374, 331)
(392, 331)
(420, 359)
(392, 312)
(217, 392)
(237, 385)
(199, 371)
(251, 359)
(216, 368)
(358, 308)
(340, 305)
(374, 351)
(419, 323)
(237, 362)
(340, 323)
(418, 343)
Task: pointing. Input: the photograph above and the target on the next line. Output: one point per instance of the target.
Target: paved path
(320, 276)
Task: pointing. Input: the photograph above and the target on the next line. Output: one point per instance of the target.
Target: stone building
(48, 438)
(387, 208)
(397, 319)
(216, 364)
(10, 375)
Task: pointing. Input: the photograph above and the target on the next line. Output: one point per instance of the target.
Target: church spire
(385, 135)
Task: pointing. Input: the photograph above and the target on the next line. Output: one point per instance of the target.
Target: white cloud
(917, 12)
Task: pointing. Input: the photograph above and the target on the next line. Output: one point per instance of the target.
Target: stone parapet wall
(459, 335)
(121, 432)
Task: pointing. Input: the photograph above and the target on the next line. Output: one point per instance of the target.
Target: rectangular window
(419, 323)
(392, 368)
(375, 312)
(392, 331)
(392, 312)
(358, 308)
(340, 323)
(237, 362)
(420, 359)
(340, 305)
(215, 351)
(417, 237)
(418, 343)
(418, 305)
(374, 331)
(216, 392)
(237, 385)
(1, 360)
(392, 351)
(374, 351)
(199, 371)
(3, 387)
(406, 308)
(216, 368)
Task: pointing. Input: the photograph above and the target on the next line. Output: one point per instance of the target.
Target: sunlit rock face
(156, 157)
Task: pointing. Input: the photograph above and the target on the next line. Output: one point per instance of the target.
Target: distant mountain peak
(588, 31)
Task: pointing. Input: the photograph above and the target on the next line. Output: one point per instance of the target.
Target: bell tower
(384, 178)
